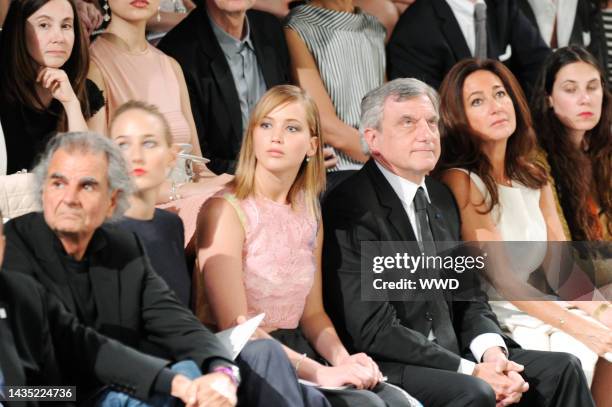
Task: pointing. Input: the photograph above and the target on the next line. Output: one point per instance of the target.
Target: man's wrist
(493, 353)
(230, 371)
(164, 381)
(179, 384)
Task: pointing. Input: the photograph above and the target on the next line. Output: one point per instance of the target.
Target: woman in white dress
(488, 145)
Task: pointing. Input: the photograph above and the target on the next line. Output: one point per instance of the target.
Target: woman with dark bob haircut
(488, 153)
(571, 108)
(43, 85)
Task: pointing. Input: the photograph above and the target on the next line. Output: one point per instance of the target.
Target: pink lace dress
(278, 260)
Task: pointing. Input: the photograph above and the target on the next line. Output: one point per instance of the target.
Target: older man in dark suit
(230, 56)
(444, 352)
(40, 343)
(432, 36)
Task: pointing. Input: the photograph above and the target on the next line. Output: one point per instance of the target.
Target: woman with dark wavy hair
(571, 109)
(43, 86)
(488, 153)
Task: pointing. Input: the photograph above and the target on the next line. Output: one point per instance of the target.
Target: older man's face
(408, 143)
(76, 196)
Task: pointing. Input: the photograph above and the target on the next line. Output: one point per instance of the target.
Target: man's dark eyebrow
(406, 116)
(57, 175)
(82, 181)
(89, 181)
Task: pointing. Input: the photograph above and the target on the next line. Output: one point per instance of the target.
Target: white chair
(18, 194)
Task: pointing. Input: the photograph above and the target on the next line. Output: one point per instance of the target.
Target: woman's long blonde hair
(310, 179)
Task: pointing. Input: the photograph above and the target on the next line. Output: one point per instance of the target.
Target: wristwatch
(231, 371)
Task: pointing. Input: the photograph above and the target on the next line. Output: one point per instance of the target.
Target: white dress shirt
(406, 190)
(546, 11)
(464, 13)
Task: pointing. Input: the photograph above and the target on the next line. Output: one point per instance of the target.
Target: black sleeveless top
(27, 130)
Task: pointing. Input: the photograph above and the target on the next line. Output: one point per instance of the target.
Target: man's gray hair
(86, 142)
(401, 89)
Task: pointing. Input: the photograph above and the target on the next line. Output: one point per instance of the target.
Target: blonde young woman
(259, 250)
(143, 134)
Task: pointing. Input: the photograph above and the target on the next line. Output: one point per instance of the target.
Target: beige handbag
(18, 194)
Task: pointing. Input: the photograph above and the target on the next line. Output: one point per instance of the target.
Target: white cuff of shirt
(466, 367)
(479, 346)
(482, 342)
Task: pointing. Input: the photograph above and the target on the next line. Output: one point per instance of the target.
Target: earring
(106, 8)
(307, 158)
(158, 14)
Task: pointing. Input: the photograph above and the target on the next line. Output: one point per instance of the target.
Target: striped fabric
(349, 50)
(607, 23)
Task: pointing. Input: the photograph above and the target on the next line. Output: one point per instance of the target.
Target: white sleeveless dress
(518, 218)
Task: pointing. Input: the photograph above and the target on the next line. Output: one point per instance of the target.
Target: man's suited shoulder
(407, 21)
(351, 197)
(263, 19)
(31, 229)
(183, 38)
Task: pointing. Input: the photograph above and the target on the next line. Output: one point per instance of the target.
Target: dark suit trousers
(555, 379)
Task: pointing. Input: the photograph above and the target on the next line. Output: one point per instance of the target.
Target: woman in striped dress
(337, 55)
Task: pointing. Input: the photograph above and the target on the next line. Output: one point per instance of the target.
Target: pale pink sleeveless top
(278, 258)
(146, 76)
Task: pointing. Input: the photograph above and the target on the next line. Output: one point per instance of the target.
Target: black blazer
(212, 91)
(40, 342)
(366, 208)
(27, 355)
(588, 24)
(134, 305)
(427, 41)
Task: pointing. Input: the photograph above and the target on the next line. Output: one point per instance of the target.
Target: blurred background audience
(230, 56)
(431, 36)
(569, 22)
(337, 55)
(43, 85)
